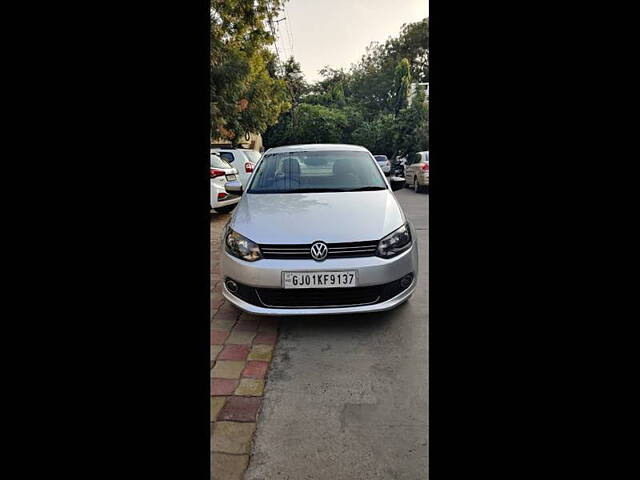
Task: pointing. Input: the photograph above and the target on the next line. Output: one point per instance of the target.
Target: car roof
(327, 147)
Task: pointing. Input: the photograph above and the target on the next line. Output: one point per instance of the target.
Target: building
(414, 88)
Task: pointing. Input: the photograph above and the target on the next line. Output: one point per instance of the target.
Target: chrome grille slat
(336, 250)
(352, 251)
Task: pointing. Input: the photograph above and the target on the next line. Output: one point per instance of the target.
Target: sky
(337, 32)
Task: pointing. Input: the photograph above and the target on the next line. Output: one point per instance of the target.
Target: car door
(411, 168)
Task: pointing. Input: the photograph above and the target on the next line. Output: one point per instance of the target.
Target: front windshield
(318, 171)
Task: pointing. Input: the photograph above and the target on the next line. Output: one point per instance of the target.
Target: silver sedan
(318, 231)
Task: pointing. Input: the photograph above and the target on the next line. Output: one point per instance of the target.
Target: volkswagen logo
(319, 251)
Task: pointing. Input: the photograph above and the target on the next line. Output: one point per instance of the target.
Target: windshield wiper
(364, 189)
(313, 190)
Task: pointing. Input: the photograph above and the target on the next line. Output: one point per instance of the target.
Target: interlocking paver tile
(240, 338)
(228, 467)
(216, 405)
(223, 386)
(222, 323)
(225, 315)
(218, 337)
(234, 352)
(228, 307)
(248, 325)
(255, 369)
(240, 409)
(227, 369)
(269, 324)
(250, 387)
(266, 339)
(215, 350)
(232, 437)
(261, 352)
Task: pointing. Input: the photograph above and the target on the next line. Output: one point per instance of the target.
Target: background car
(221, 173)
(383, 161)
(417, 171)
(243, 160)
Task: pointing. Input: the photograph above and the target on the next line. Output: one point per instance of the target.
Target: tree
(367, 105)
(401, 85)
(372, 79)
(246, 95)
(377, 135)
(412, 127)
(314, 124)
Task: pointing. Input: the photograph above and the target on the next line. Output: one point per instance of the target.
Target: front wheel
(226, 209)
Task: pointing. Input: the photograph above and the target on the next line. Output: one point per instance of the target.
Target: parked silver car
(417, 171)
(318, 231)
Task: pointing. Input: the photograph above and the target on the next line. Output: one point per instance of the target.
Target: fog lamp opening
(231, 286)
(406, 280)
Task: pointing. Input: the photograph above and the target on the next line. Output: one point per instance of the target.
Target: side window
(417, 158)
(227, 156)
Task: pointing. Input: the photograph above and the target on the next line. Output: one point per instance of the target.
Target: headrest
(291, 167)
(343, 167)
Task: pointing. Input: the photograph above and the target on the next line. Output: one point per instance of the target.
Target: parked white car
(384, 163)
(221, 173)
(417, 171)
(243, 160)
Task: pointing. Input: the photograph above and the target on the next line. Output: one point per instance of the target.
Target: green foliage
(401, 85)
(411, 133)
(377, 135)
(368, 105)
(246, 95)
(313, 124)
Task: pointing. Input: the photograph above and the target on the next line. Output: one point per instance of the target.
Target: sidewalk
(241, 351)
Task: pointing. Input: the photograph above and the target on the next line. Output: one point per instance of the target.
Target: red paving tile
(234, 352)
(223, 386)
(255, 369)
(240, 409)
(218, 337)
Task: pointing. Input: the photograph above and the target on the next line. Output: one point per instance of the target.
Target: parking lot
(345, 397)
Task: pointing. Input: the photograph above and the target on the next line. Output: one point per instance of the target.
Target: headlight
(395, 243)
(241, 247)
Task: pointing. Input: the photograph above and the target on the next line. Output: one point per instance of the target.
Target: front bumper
(372, 271)
(230, 200)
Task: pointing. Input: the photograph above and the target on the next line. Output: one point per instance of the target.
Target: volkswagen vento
(318, 230)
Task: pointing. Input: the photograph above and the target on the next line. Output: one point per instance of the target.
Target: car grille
(336, 250)
(318, 297)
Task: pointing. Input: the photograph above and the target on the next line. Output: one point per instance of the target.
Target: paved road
(347, 396)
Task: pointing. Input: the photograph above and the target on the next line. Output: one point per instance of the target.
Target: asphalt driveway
(346, 397)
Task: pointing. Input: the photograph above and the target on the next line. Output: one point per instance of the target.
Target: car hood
(297, 218)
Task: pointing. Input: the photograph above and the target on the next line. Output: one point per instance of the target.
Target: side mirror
(234, 187)
(396, 183)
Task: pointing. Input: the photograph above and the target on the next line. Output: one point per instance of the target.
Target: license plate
(343, 279)
(231, 177)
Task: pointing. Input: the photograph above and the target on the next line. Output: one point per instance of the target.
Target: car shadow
(370, 321)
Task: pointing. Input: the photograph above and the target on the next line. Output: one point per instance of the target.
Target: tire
(416, 187)
(226, 209)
